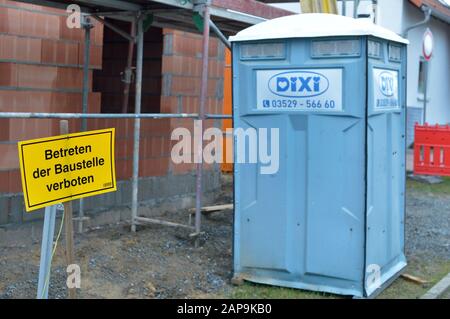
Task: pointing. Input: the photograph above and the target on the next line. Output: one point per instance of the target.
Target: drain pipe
(427, 11)
(355, 8)
(375, 11)
(344, 8)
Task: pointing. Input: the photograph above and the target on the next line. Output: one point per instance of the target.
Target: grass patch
(256, 291)
(437, 189)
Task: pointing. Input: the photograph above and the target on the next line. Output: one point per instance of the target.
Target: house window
(423, 69)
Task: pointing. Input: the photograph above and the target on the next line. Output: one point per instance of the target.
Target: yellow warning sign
(66, 167)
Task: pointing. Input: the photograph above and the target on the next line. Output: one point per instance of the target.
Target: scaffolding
(177, 14)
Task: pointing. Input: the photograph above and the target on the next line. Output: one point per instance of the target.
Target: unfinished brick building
(41, 62)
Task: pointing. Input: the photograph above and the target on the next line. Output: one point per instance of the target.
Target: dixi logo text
(298, 84)
(387, 84)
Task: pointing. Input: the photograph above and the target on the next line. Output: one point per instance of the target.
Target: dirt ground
(156, 262)
(161, 262)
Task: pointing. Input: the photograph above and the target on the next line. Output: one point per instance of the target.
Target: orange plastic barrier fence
(227, 109)
(432, 150)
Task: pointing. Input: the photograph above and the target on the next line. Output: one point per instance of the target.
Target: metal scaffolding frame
(135, 12)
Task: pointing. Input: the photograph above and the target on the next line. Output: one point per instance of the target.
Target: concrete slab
(438, 289)
(427, 179)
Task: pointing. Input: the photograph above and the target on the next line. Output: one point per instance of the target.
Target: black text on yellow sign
(63, 168)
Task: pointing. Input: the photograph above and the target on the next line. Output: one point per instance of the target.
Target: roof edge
(439, 10)
(270, 30)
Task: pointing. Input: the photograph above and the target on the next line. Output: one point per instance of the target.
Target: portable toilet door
(386, 162)
(319, 128)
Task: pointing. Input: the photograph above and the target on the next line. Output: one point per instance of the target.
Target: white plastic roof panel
(315, 25)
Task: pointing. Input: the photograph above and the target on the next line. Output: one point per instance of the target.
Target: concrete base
(427, 179)
(156, 195)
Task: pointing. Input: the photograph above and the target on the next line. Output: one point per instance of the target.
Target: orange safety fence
(432, 150)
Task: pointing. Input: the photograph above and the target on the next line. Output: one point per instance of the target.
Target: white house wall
(389, 14)
(438, 106)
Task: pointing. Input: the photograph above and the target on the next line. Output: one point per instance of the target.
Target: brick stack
(40, 71)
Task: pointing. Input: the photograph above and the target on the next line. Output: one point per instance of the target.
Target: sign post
(46, 252)
(58, 170)
(427, 52)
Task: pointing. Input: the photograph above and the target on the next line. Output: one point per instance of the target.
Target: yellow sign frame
(48, 160)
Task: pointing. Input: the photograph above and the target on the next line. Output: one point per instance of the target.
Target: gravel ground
(428, 225)
(161, 262)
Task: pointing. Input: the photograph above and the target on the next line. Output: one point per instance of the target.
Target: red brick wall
(154, 152)
(41, 71)
(181, 69)
(171, 84)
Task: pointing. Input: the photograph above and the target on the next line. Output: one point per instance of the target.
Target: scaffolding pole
(87, 26)
(127, 75)
(137, 121)
(68, 116)
(202, 117)
(87, 60)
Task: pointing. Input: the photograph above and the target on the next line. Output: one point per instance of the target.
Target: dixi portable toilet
(331, 216)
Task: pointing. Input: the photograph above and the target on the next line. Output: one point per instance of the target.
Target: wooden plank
(216, 208)
(68, 222)
(414, 279)
(145, 220)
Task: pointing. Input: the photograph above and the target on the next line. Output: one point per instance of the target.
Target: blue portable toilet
(330, 216)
